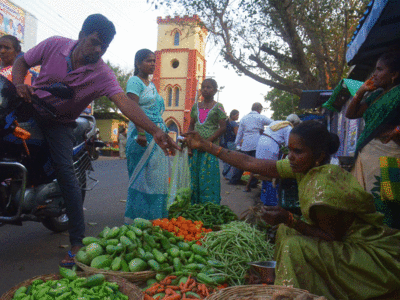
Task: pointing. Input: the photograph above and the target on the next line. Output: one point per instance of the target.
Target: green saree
(364, 265)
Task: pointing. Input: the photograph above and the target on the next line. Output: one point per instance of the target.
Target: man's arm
(20, 68)
(239, 135)
(133, 112)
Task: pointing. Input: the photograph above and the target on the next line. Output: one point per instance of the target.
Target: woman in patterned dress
(208, 118)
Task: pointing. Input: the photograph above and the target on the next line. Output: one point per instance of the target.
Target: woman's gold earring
(317, 163)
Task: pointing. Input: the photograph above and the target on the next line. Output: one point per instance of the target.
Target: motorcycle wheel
(60, 224)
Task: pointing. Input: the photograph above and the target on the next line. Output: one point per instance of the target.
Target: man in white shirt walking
(248, 134)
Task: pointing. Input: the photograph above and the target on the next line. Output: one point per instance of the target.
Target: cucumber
(199, 250)
(67, 273)
(131, 235)
(124, 266)
(101, 262)
(94, 280)
(177, 264)
(158, 256)
(147, 256)
(116, 264)
(88, 240)
(104, 232)
(154, 265)
(149, 239)
(173, 251)
(137, 231)
(93, 250)
(201, 277)
(165, 243)
(112, 242)
(151, 281)
(112, 233)
(184, 246)
(137, 265)
(82, 257)
(142, 223)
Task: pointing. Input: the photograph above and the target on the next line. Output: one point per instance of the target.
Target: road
(30, 250)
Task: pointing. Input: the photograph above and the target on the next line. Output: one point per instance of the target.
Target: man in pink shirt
(78, 64)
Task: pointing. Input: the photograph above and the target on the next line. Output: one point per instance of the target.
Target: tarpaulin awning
(311, 99)
(378, 31)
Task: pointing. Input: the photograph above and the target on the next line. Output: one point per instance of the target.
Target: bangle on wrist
(290, 221)
(219, 151)
(397, 128)
(142, 133)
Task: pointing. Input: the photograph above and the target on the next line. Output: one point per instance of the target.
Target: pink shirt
(88, 82)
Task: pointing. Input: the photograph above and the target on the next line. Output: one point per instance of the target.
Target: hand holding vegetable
(275, 215)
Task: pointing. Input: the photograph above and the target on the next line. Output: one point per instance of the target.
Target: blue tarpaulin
(378, 31)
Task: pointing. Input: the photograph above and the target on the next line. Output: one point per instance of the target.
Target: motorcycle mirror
(60, 90)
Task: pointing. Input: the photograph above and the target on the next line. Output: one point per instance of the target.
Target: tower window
(176, 96)
(175, 63)
(169, 96)
(176, 39)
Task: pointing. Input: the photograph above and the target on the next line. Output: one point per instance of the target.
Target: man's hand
(389, 135)
(141, 140)
(25, 91)
(165, 142)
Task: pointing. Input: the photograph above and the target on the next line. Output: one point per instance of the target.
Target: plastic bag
(151, 174)
(179, 193)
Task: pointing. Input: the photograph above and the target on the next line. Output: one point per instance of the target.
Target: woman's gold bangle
(219, 151)
(397, 128)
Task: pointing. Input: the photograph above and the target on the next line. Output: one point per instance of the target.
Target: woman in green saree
(378, 102)
(340, 248)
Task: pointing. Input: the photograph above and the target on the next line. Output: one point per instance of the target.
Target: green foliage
(282, 104)
(103, 104)
(289, 45)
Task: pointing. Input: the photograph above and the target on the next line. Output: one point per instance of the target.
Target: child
(208, 118)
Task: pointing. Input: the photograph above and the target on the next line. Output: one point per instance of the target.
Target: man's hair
(234, 112)
(100, 24)
(257, 106)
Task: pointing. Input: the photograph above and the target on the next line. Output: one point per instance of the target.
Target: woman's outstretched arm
(234, 158)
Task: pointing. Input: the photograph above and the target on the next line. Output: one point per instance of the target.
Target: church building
(180, 67)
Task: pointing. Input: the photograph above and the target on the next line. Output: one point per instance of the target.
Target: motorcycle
(93, 146)
(29, 190)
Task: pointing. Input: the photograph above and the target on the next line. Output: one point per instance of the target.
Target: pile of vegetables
(174, 288)
(181, 201)
(187, 229)
(209, 213)
(142, 247)
(70, 287)
(235, 245)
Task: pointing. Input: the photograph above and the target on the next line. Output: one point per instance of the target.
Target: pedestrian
(147, 166)
(209, 119)
(78, 64)
(122, 142)
(247, 139)
(10, 49)
(340, 247)
(228, 139)
(269, 146)
(378, 102)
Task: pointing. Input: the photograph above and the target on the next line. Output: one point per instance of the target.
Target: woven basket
(134, 277)
(253, 292)
(125, 287)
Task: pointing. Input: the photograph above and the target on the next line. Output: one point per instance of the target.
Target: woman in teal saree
(147, 164)
(378, 103)
(340, 248)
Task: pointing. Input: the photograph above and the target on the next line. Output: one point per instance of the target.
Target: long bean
(236, 244)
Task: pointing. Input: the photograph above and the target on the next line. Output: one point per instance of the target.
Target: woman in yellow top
(10, 48)
(340, 248)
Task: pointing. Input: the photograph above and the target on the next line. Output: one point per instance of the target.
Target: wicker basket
(125, 287)
(253, 292)
(134, 277)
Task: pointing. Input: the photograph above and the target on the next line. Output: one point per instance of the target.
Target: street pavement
(30, 250)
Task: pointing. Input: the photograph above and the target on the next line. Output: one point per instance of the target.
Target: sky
(136, 26)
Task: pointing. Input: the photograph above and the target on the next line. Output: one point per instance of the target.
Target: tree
(289, 45)
(103, 104)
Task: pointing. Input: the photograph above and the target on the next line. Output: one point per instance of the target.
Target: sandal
(69, 260)
(66, 263)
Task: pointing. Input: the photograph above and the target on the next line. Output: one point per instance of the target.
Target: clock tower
(180, 67)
